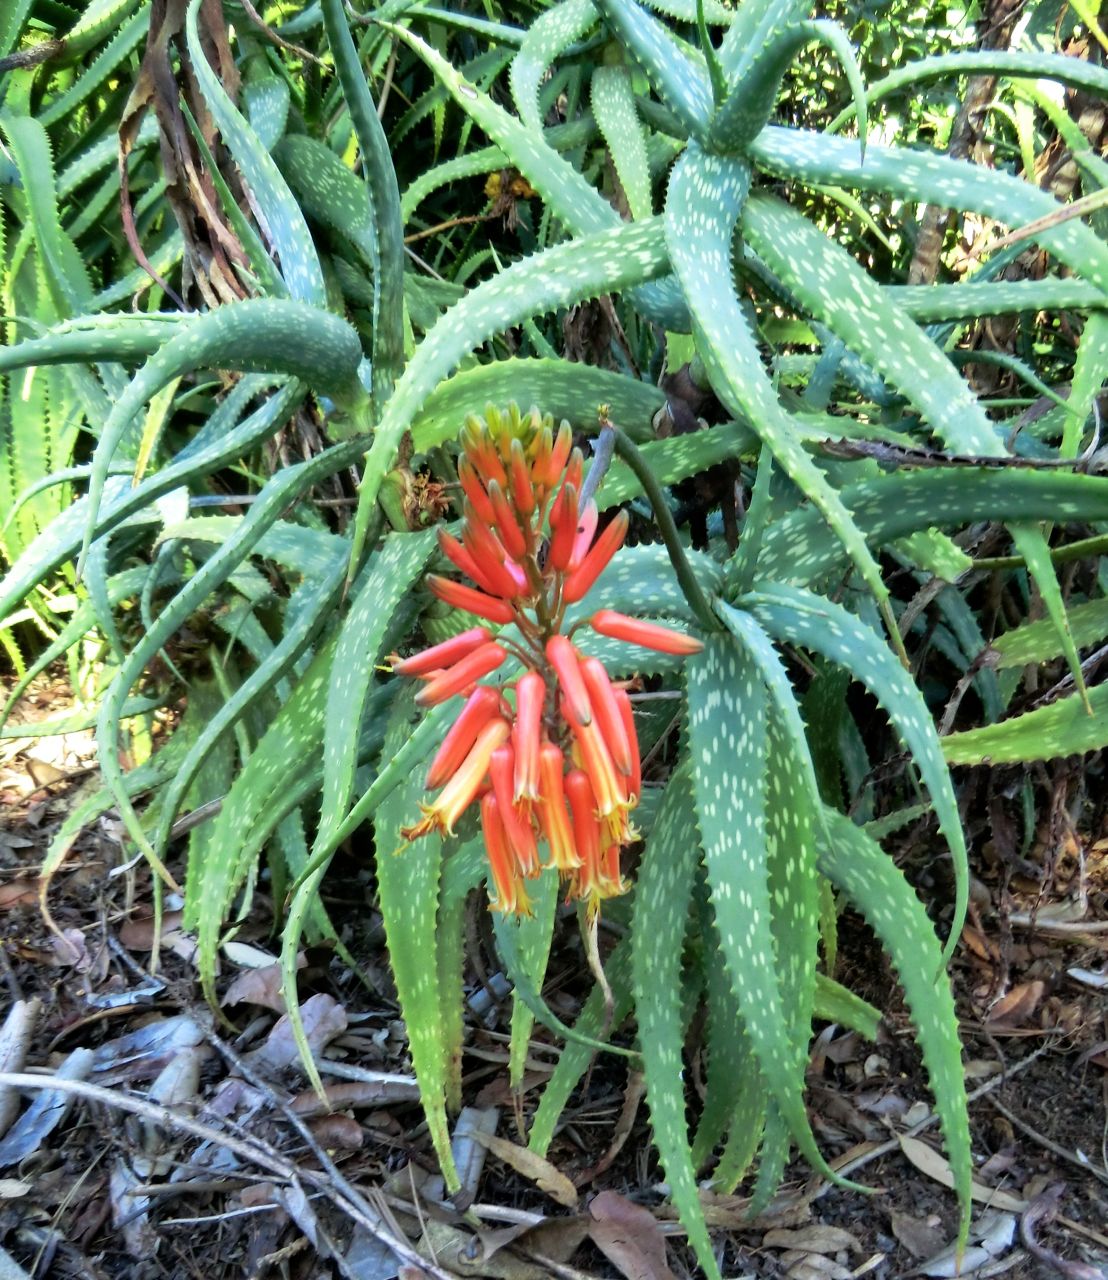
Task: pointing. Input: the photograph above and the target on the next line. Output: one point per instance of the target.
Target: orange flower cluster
(559, 760)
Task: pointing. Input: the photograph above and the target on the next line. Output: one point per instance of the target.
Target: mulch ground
(248, 1176)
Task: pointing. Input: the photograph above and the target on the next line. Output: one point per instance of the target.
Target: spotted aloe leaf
(757, 23)
(593, 1021)
(613, 104)
(408, 890)
(921, 175)
(662, 899)
(1038, 641)
(258, 335)
(535, 934)
(550, 33)
(705, 201)
(680, 80)
(390, 577)
(1063, 728)
(728, 745)
(857, 866)
(801, 617)
(890, 506)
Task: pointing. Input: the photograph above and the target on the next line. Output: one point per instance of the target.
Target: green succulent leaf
(1064, 728)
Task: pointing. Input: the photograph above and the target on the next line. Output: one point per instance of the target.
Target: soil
(269, 1186)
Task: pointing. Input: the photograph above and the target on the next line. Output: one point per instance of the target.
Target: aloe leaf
(858, 867)
(570, 391)
(675, 459)
(801, 617)
(575, 1057)
(1012, 64)
(754, 25)
(803, 156)
(680, 81)
(267, 102)
(745, 1132)
(705, 200)
(284, 222)
(281, 490)
(609, 261)
(839, 293)
(662, 898)
(127, 38)
(613, 105)
(391, 576)
(67, 274)
(388, 329)
(330, 193)
(836, 1003)
(750, 104)
(891, 506)
(535, 934)
(463, 871)
(549, 34)
(258, 335)
(727, 721)
(1038, 641)
(408, 888)
(1062, 728)
(640, 581)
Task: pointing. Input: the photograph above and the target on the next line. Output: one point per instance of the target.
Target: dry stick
(893, 1144)
(1050, 1145)
(256, 1152)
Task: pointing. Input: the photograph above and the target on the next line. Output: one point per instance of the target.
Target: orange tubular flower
(526, 735)
(552, 811)
(442, 655)
(482, 704)
(516, 819)
(511, 898)
(580, 581)
(605, 708)
(559, 763)
(460, 792)
(634, 776)
(463, 597)
(562, 656)
(461, 675)
(651, 635)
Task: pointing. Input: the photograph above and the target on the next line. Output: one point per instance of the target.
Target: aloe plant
(658, 174)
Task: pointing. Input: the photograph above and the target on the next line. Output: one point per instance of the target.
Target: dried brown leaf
(629, 1236)
(533, 1167)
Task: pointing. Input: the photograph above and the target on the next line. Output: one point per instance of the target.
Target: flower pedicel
(560, 761)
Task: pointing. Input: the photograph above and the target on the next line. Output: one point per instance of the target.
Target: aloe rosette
(551, 756)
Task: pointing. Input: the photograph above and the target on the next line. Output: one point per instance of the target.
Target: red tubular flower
(563, 526)
(460, 792)
(552, 811)
(560, 762)
(520, 481)
(634, 777)
(482, 704)
(582, 578)
(583, 535)
(606, 713)
(511, 897)
(463, 597)
(526, 735)
(487, 566)
(507, 524)
(651, 635)
(442, 655)
(461, 675)
(474, 490)
(562, 656)
(517, 823)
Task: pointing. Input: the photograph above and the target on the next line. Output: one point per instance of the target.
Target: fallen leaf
(918, 1236)
(259, 986)
(927, 1160)
(534, 1167)
(1017, 1005)
(137, 933)
(816, 1238)
(335, 1131)
(356, 1093)
(18, 893)
(629, 1236)
(989, 1238)
(323, 1018)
